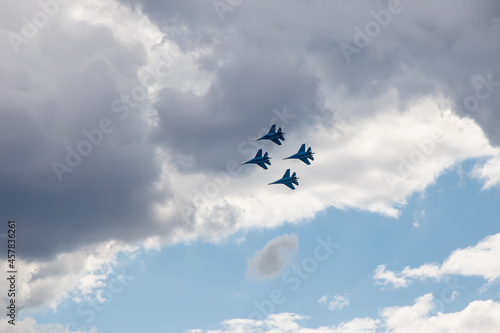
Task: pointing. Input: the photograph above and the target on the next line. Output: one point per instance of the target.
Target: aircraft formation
(264, 160)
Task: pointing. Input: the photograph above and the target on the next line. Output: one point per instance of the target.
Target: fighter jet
(287, 180)
(303, 155)
(260, 160)
(273, 135)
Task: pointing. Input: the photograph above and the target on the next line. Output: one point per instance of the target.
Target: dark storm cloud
(65, 84)
(176, 12)
(424, 48)
(188, 23)
(442, 47)
(453, 48)
(240, 103)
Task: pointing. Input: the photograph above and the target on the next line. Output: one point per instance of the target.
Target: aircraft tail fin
(293, 174)
(311, 158)
(287, 173)
(309, 149)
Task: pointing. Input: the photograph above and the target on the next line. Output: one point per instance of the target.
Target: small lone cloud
(273, 258)
(417, 217)
(335, 302)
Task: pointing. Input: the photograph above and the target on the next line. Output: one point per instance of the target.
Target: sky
(123, 124)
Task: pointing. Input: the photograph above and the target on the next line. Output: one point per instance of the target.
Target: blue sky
(200, 285)
(123, 124)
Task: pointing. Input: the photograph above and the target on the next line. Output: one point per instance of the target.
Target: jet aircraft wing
(276, 141)
(290, 185)
(273, 129)
(262, 165)
(259, 153)
(302, 148)
(305, 160)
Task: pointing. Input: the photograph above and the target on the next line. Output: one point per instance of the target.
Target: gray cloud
(211, 128)
(263, 55)
(64, 82)
(428, 47)
(273, 258)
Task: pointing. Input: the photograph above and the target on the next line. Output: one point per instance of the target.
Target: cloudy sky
(123, 124)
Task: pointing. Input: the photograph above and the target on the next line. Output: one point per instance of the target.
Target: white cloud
(478, 260)
(77, 275)
(488, 173)
(273, 258)
(153, 243)
(323, 299)
(335, 302)
(478, 316)
(29, 325)
(417, 217)
(370, 163)
(131, 26)
(385, 277)
(288, 323)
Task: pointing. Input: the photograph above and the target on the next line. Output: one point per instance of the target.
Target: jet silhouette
(287, 180)
(273, 135)
(260, 160)
(303, 155)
